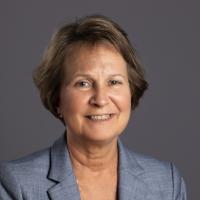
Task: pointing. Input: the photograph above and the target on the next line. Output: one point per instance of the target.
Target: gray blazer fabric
(48, 175)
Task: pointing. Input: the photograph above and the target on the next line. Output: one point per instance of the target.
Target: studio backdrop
(166, 36)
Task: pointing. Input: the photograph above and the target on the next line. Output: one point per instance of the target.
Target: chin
(100, 138)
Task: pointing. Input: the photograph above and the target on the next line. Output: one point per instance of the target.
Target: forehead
(102, 57)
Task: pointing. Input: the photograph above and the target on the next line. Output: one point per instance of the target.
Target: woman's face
(95, 98)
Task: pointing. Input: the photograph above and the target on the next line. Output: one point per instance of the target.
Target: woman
(90, 79)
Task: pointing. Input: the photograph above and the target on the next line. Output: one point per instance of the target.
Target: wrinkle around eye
(115, 82)
(83, 84)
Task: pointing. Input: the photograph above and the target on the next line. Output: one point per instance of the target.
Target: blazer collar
(130, 183)
(62, 173)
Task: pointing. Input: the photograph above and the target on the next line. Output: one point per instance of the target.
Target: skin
(96, 83)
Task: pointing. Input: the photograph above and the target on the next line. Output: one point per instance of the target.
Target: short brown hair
(93, 29)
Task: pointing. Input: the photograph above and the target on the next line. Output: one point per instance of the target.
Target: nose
(100, 98)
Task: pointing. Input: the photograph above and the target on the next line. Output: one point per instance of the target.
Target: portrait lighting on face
(91, 80)
(95, 99)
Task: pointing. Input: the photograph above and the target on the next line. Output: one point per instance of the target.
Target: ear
(59, 112)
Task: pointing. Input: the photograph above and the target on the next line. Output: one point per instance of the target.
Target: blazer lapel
(131, 184)
(62, 174)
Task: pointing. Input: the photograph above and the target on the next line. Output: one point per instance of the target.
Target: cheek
(72, 102)
(123, 99)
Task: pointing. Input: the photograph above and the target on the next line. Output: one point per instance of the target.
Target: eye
(83, 84)
(115, 82)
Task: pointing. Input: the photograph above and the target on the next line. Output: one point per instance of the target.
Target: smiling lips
(102, 117)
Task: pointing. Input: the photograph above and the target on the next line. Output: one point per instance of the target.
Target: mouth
(102, 117)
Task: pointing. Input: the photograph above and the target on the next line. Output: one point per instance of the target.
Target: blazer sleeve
(179, 188)
(9, 186)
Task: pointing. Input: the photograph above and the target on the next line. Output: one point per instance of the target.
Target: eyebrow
(90, 76)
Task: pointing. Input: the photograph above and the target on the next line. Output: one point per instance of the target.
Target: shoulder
(159, 174)
(37, 162)
(30, 170)
(140, 163)
(148, 163)
(32, 176)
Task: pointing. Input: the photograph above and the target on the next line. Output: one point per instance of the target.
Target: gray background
(166, 35)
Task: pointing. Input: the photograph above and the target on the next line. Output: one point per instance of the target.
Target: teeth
(99, 117)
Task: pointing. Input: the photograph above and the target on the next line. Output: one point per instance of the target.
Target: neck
(92, 157)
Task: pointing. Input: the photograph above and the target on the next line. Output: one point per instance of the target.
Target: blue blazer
(48, 175)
